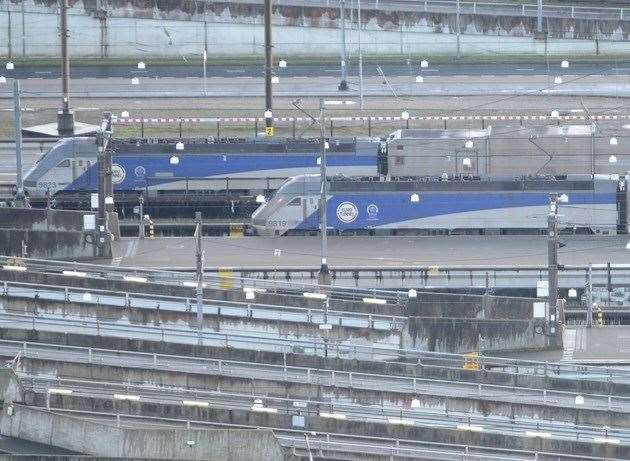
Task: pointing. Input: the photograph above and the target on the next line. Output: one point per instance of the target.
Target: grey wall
(56, 234)
(173, 29)
(104, 440)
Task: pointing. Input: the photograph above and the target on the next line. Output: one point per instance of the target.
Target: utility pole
(17, 112)
(589, 297)
(141, 233)
(539, 27)
(360, 55)
(343, 85)
(552, 254)
(199, 291)
(268, 69)
(205, 73)
(104, 176)
(457, 21)
(65, 117)
(324, 273)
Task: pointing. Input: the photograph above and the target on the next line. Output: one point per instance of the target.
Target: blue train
(204, 165)
(464, 205)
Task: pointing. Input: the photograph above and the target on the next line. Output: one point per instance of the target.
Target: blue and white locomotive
(464, 205)
(247, 166)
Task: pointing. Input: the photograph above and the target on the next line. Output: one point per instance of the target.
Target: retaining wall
(105, 440)
(179, 28)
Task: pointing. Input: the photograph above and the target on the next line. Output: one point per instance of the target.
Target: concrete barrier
(105, 440)
(583, 447)
(460, 335)
(45, 233)
(422, 369)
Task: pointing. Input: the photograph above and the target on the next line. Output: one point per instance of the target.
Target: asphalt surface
(305, 86)
(411, 68)
(348, 251)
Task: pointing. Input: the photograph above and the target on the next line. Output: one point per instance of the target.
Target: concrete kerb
(318, 424)
(425, 369)
(105, 440)
(193, 386)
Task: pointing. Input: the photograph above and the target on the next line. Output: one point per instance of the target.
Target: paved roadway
(169, 87)
(346, 251)
(402, 69)
(380, 413)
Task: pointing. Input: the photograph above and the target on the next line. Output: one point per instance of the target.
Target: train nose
(259, 220)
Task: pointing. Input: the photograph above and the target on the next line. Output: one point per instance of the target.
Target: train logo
(140, 171)
(372, 211)
(118, 173)
(347, 212)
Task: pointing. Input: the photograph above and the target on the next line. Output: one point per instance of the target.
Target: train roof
(438, 134)
(556, 131)
(310, 184)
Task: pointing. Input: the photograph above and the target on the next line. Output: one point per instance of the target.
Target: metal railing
(310, 375)
(331, 348)
(239, 309)
(328, 440)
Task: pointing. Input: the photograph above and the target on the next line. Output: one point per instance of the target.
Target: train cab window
(64, 163)
(297, 201)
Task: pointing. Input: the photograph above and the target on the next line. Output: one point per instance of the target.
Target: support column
(65, 117)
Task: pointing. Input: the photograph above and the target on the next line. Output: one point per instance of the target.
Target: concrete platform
(460, 251)
(608, 345)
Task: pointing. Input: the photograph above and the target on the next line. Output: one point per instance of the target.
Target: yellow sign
(226, 279)
(269, 131)
(471, 361)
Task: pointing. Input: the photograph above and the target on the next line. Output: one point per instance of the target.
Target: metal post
(141, 233)
(17, 112)
(104, 177)
(539, 22)
(324, 274)
(65, 117)
(457, 21)
(589, 297)
(343, 85)
(205, 61)
(268, 69)
(360, 55)
(199, 291)
(552, 253)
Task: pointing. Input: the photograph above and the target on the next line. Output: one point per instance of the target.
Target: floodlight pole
(324, 273)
